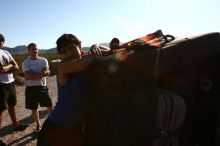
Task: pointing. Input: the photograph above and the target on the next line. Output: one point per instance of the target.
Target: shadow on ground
(25, 139)
(4, 131)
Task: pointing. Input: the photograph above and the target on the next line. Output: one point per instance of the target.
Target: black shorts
(7, 95)
(35, 95)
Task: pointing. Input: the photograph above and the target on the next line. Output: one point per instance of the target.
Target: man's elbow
(26, 77)
(16, 67)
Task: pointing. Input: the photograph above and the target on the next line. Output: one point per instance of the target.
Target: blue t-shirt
(71, 105)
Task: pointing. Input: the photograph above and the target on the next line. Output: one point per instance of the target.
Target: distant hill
(23, 50)
(16, 50)
(19, 50)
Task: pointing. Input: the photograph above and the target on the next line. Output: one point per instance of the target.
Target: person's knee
(49, 109)
(34, 111)
(11, 107)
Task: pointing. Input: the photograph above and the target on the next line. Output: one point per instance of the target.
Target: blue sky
(98, 21)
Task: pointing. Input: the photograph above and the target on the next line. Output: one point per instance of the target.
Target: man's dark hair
(114, 43)
(115, 40)
(2, 38)
(67, 39)
(31, 45)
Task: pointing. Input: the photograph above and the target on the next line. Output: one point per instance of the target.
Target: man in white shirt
(8, 97)
(36, 69)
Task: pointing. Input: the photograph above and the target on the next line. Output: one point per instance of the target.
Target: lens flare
(120, 56)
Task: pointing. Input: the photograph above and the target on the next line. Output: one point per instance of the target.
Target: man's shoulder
(25, 61)
(5, 51)
(42, 58)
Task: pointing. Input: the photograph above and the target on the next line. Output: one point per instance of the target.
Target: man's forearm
(45, 73)
(6, 69)
(32, 76)
(36, 76)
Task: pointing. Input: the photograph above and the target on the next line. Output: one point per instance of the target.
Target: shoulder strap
(156, 39)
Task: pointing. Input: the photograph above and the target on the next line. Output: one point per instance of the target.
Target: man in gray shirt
(8, 98)
(36, 69)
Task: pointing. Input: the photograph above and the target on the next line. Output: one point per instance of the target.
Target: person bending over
(64, 125)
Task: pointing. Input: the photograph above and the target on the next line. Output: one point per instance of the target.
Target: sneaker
(38, 128)
(2, 143)
(20, 127)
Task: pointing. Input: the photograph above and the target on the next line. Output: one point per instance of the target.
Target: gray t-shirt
(5, 59)
(35, 66)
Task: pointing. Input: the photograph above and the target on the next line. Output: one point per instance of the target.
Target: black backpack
(127, 107)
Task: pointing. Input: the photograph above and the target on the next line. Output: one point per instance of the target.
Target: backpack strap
(156, 39)
(170, 116)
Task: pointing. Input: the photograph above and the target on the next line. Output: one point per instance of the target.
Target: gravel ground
(27, 137)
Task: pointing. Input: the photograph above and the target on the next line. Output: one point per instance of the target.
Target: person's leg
(2, 143)
(31, 101)
(1, 114)
(35, 115)
(2, 108)
(49, 110)
(3, 103)
(12, 114)
(42, 139)
(16, 126)
(45, 99)
(12, 101)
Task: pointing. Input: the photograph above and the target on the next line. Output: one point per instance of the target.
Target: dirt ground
(27, 137)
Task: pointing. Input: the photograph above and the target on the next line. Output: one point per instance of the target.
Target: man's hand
(45, 73)
(1, 68)
(96, 51)
(6, 69)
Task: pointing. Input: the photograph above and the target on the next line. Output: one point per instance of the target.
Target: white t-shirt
(35, 66)
(5, 58)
